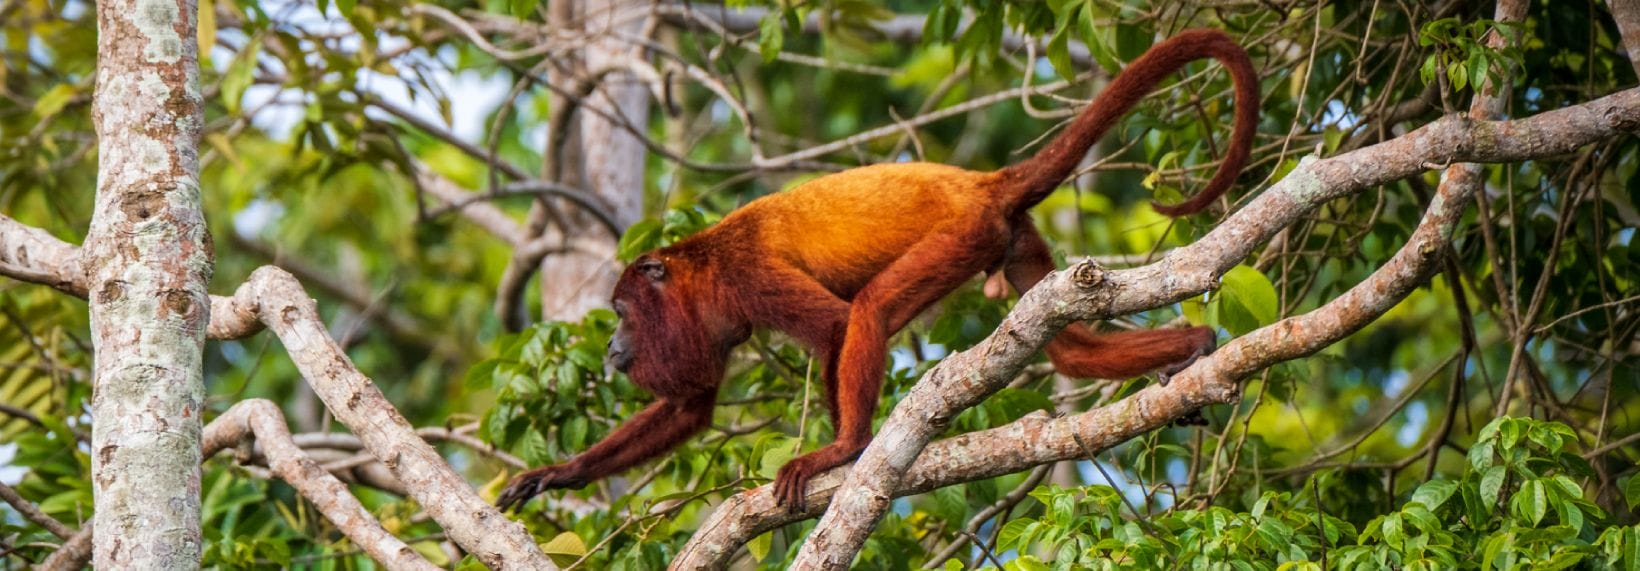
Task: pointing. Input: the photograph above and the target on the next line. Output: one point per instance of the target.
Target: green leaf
(759, 547)
(54, 100)
(1480, 455)
(479, 376)
(1532, 501)
(1492, 484)
(1434, 493)
(1631, 491)
(1509, 433)
(574, 433)
(240, 74)
(771, 37)
(1132, 41)
(639, 238)
(1455, 74)
(565, 549)
(951, 503)
(1059, 53)
(1247, 300)
(1562, 559)
(1391, 528)
(1477, 68)
(1015, 534)
(533, 448)
(777, 455)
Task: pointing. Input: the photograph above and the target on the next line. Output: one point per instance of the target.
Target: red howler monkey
(844, 261)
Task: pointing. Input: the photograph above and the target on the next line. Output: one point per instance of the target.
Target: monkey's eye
(653, 268)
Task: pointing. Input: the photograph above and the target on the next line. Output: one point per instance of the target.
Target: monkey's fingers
(518, 493)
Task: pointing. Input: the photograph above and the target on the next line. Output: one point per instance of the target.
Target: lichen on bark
(147, 260)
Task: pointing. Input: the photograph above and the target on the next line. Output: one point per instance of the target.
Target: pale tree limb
(1090, 292)
(261, 418)
(32, 255)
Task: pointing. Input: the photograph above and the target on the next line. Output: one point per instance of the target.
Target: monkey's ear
(654, 269)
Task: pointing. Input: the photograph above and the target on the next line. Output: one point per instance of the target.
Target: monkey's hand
(533, 482)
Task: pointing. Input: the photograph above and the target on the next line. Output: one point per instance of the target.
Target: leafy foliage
(1517, 505)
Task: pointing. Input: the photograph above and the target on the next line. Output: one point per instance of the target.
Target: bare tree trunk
(1627, 15)
(148, 258)
(609, 162)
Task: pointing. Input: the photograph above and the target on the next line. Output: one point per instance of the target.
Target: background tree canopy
(394, 156)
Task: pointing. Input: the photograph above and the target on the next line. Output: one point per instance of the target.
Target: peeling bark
(147, 260)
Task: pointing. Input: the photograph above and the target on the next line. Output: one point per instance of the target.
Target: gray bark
(147, 261)
(1627, 15)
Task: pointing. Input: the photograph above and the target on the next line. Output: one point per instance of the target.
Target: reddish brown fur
(845, 261)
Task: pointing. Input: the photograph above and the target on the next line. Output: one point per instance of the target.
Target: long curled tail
(1027, 183)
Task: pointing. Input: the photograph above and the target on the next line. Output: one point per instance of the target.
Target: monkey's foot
(791, 484)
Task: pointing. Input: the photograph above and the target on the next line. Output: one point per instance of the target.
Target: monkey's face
(660, 342)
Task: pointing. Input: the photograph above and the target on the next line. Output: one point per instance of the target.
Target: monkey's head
(662, 342)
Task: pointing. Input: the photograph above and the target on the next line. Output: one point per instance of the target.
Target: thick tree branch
(1090, 292)
(40, 258)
